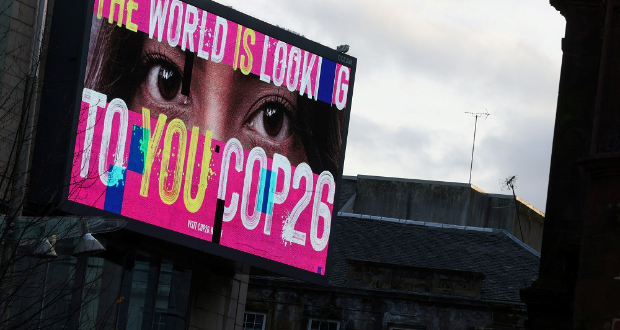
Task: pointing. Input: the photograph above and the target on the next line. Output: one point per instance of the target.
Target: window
(317, 324)
(254, 321)
(159, 321)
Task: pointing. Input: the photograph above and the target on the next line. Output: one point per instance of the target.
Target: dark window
(254, 321)
(324, 325)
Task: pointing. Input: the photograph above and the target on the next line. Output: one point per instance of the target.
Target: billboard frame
(140, 227)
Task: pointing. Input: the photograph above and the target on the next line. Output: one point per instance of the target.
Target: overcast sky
(422, 64)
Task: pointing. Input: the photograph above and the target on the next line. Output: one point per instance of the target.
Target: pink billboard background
(151, 209)
(175, 17)
(271, 209)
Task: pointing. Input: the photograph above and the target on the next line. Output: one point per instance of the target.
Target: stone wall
(450, 203)
(291, 306)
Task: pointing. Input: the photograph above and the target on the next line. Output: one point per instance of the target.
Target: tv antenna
(484, 114)
(510, 184)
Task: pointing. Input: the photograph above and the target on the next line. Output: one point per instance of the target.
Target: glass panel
(139, 291)
(91, 293)
(59, 288)
(178, 298)
(323, 325)
(163, 293)
(159, 322)
(163, 287)
(253, 321)
(156, 293)
(140, 274)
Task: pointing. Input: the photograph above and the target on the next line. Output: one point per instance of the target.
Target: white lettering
(263, 64)
(201, 41)
(280, 164)
(217, 53)
(173, 40)
(250, 220)
(278, 79)
(306, 82)
(116, 106)
(95, 100)
(158, 16)
(294, 55)
(233, 146)
(189, 27)
(317, 79)
(343, 88)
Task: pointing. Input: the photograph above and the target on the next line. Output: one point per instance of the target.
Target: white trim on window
(254, 321)
(322, 324)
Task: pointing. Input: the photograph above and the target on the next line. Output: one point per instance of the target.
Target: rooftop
(489, 252)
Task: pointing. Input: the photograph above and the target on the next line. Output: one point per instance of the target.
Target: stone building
(390, 273)
(443, 202)
(578, 285)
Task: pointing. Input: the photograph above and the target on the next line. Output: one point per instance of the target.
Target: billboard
(197, 120)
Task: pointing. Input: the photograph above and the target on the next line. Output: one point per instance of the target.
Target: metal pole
(476, 115)
(473, 145)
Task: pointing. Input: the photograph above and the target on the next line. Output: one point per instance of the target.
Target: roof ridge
(441, 225)
(523, 245)
(417, 223)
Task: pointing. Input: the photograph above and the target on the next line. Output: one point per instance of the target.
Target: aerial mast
(476, 115)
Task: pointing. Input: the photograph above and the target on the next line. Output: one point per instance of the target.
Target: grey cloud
(474, 65)
(406, 152)
(522, 152)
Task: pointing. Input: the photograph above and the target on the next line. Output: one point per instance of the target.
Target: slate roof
(348, 187)
(507, 265)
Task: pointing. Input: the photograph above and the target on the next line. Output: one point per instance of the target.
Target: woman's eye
(272, 120)
(164, 82)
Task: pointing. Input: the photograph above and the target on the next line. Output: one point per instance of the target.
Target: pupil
(168, 83)
(273, 117)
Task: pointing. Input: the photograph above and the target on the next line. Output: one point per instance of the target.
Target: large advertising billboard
(202, 121)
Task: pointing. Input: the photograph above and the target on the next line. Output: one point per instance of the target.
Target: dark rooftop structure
(452, 203)
(491, 253)
(388, 273)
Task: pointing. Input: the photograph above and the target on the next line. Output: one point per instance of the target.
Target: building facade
(390, 273)
(578, 283)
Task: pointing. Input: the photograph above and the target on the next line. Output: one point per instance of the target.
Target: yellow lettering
(194, 204)
(246, 68)
(131, 6)
(169, 196)
(152, 149)
(146, 118)
(121, 10)
(100, 9)
(236, 58)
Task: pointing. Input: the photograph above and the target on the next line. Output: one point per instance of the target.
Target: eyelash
(153, 60)
(274, 127)
(280, 103)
